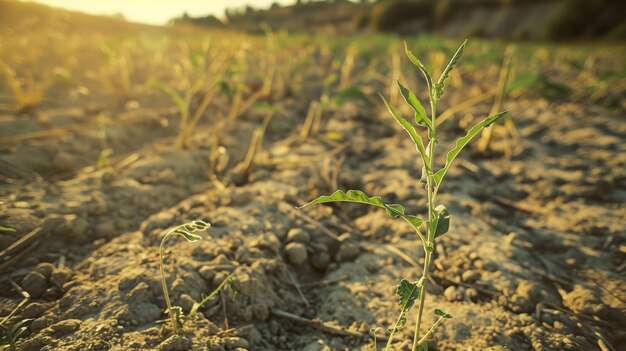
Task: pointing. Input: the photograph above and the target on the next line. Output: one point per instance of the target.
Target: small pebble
(33, 310)
(320, 260)
(175, 343)
(207, 273)
(452, 293)
(108, 177)
(521, 304)
(296, 253)
(60, 276)
(471, 294)
(470, 276)
(63, 162)
(105, 230)
(236, 342)
(65, 326)
(35, 284)
(45, 269)
(298, 235)
(347, 252)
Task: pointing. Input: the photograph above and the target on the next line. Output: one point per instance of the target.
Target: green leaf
(411, 99)
(176, 97)
(422, 347)
(408, 293)
(443, 220)
(188, 230)
(420, 66)
(417, 139)
(224, 87)
(357, 196)
(5, 229)
(440, 85)
(462, 142)
(441, 313)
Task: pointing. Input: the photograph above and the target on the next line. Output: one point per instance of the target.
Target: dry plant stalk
(505, 70)
(26, 95)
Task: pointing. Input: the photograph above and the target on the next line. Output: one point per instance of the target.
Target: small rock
(33, 310)
(470, 276)
(175, 343)
(242, 254)
(42, 322)
(347, 252)
(207, 273)
(35, 284)
(60, 276)
(521, 304)
(320, 260)
(471, 294)
(296, 253)
(534, 292)
(21, 204)
(452, 293)
(45, 269)
(490, 266)
(236, 342)
(52, 293)
(298, 235)
(266, 241)
(63, 162)
(105, 230)
(98, 204)
(140, 292)
(78, 231)
(65, 327)
(318, 345)
(108, 177)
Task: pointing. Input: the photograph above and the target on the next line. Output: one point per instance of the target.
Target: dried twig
(317, 324)
(26, 297)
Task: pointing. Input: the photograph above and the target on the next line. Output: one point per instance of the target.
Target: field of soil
(94, 171)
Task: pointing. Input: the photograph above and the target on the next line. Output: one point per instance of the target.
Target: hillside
(508, 19)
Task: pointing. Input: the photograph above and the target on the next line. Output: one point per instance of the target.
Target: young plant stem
(429, 247)
(197, 305)
(166, 295)
(430, 331)
(393, 332)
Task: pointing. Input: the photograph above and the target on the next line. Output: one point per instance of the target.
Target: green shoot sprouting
(438, 220)
(5, 229)
(10, 333)
(189, 232)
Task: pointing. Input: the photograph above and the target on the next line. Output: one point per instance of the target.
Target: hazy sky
(157, 11)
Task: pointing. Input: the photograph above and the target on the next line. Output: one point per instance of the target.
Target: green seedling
(189, 232)
(438, 220)
(5, 229)
(10, 333)
(203, 81)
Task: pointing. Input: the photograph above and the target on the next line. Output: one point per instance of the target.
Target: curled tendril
(187, 230)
